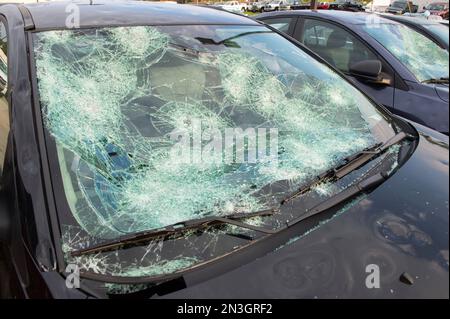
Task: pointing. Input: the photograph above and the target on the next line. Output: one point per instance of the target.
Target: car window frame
(397, 81)
(301, 29)
(292, 24)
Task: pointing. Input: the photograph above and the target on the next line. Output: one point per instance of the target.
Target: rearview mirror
(369, 71)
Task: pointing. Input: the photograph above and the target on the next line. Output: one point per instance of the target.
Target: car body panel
(30, 240)
(422, 97)
(383, 94)
(442, 92)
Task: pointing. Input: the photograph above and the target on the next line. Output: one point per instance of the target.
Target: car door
(341, 48)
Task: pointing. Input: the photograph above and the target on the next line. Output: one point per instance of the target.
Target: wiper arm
(178, 228)
(443, 80)
(350, 192)
(349, 164)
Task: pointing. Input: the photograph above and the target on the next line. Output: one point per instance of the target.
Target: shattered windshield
(422, 56)
(158, 125)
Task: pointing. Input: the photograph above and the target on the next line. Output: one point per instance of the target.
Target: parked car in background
(258, 6)
(399, 67)
(323, 5)
(233, 6)
(346, 5)
(90, 183)
(300, 5)
(377, 5)
(277, 6)
(438, 8)
(430, 28)
(401, 7)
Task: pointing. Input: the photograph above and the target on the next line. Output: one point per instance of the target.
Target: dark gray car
(399, 67)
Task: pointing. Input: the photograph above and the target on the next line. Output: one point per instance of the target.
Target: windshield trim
(251, 23)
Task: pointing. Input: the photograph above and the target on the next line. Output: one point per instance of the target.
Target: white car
(258, 6)
(234, 6)
(276, 6)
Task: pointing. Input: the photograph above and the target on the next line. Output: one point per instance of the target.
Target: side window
(281, 24)
(334, 44)
(4, 109)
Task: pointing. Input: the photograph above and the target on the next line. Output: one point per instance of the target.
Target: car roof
(409, 19)
(53, 15)
(344, 17)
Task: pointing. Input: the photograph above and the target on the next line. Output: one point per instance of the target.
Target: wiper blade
(351, 163)
(437, 81)
(178, 228)
(348, 193)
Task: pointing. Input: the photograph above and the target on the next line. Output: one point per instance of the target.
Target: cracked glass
(112, 97)
(422, 56)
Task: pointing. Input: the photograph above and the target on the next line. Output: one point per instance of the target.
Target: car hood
(401, 227)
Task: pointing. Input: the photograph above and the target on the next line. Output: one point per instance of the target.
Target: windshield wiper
(349, 164)
(350, 192)
(178, 228)
(443, 80)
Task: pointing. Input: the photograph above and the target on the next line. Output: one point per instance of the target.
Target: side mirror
(369, 71)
